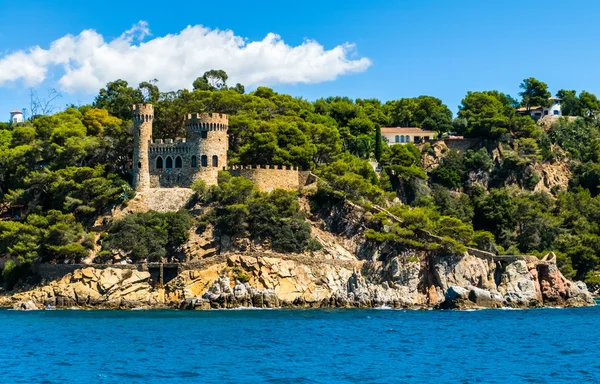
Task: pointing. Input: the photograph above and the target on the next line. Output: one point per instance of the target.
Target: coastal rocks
(471, 297)
(262, 281)
(89, 287)
(405, 279)
(558, 291)
(26, 306)
(221, 295)
(512, 281)
(519, 285)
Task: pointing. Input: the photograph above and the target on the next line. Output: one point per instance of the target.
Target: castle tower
(209, 130)
(143, 114)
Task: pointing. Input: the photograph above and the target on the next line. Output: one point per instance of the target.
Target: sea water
(301, 346)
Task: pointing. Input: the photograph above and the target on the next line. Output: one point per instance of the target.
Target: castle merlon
(143, 107)
(265, 166)
(207, 121)
(143, 113)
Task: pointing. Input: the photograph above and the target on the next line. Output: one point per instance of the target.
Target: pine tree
(378, 143)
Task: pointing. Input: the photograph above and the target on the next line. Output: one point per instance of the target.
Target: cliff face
(349, 272)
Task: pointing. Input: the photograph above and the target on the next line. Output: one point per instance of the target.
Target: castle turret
(209, 130)
(143, 114)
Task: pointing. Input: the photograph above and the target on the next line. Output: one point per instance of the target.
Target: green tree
(451, 170)
(571, 105)
(535, 93)
(423, 111)
(378, 143)
(117, 98)
(589, 103)
(485, 114)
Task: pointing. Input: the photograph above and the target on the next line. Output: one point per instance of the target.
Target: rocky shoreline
(415, 281)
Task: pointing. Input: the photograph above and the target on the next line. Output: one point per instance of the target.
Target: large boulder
(471, 297)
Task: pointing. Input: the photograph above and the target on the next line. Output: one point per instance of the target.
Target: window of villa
(204, 161)
(203, 134)
(397, 139)
(178, 162)
(556, 112)
(159, 163)
(402, 139)
(215, 161)
(407, 139)
(194, 162)
(169, 163)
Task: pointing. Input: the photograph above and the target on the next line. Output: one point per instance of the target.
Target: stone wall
(461, 145)
(269, 177)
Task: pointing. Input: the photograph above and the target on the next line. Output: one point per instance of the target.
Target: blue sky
(401, 48)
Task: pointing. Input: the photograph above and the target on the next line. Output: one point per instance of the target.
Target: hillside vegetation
(68, 168)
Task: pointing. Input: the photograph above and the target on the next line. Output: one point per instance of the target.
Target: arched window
(204, 160)
(203, 134)
(407, 139)
(397, 139)
(178, 162)
(194, 162)
(402, 139)
(169, 162)
(159, 163)
(215, 161)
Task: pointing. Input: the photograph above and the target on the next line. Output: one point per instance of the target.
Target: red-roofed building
(16, 116)
(403, 135)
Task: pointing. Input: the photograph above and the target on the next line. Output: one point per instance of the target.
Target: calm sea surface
(300, 346)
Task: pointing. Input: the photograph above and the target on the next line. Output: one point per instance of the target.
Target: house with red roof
(16, 116)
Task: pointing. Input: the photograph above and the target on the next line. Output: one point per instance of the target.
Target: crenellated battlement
(170, 147)
(143, 113)
(207, 121)
(177, 162)
(143, 108)
(169, 141)
(263, 166)
(269, 177)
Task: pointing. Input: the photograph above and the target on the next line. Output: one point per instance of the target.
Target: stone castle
(200, 155)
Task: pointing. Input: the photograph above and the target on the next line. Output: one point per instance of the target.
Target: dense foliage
(147, 236)
(272, 218)
(68, 168)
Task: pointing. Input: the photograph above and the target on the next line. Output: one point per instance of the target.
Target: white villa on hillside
(537, 112)
(403, 135)
(16, 116)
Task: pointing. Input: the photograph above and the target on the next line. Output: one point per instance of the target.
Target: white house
(16, 116)
(403, 135)
(537, 112)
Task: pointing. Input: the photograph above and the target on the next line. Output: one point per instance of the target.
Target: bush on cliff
(148, 236)
(274, 218)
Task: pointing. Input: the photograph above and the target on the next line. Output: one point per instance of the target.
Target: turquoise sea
(301, 346)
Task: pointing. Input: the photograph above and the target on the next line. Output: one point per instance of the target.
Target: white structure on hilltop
(403, 135)
(16, 116)
(537, 112)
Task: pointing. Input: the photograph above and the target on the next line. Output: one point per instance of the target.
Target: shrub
(148, 235)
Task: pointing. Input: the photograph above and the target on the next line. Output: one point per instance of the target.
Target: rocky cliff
(439, 281)
(350, 271)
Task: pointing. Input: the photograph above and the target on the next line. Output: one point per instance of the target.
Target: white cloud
(88, 62)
